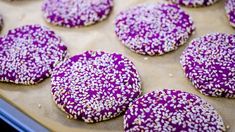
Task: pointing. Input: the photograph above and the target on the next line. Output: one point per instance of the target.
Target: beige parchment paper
(154, 71)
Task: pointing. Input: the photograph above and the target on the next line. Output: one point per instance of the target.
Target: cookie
(230, 11)
(95, 86)
(172, 111)
(209, 63)
(194, 3)
(75, 13)
(29, 53)
(151, 29)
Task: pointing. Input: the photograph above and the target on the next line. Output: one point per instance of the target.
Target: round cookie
(151, 29)
(194, 3)
(230, 11)
(29, 53)
(1, 22)
(95, 86)
(73, 13)
(209, 63)
(172, 111)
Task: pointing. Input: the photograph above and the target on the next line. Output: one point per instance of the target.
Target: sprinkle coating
(230, 11)
(151, 29)
(209, 63)
(194, 3)
(74, 13)
(95, 86)
(172, 110)
(29, 53)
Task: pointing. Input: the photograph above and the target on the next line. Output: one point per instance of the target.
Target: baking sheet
(154, 71)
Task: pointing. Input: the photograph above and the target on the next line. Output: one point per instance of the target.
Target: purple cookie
(29, 53)
(95, 86)
(153, 28)
(194, 3)
(172, 111)
(230, 10)
(209, 63)
(73, 13)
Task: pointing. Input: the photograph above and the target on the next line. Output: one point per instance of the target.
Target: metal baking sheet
(154, 71)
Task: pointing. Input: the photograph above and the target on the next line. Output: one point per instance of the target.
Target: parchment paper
(154, 71)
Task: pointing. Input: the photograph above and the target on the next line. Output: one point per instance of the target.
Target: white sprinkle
(39, 106)
(146, 58)
(170, 75)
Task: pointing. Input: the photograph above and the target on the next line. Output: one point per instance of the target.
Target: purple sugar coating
(230, 11)
(172, 111)
(95, 86)
(29, 53)
(194, 3)
(209, 63)
(152, 29)
(74, 13)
